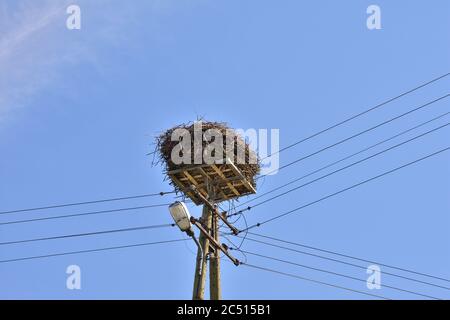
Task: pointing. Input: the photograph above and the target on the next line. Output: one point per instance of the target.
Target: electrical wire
(84, 214)
(346, 189)
(336, 274)
(344, 168)
(162, 193)
(88, 234)
(237, 248)
(347, 256)
(359, 114)
(312, 280)
(91, 250)
(355, 135)
(342, 159)
(346, 263)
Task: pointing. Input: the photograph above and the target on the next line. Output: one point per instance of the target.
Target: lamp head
(181, 216)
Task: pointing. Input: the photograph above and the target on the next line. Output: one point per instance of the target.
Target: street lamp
(181, 216)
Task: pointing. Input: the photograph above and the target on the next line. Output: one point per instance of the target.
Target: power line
(343, 159)
(236, 247)
(345, 189)
(346, 263)
(348, 256)
(335, 273)
(359, 114)
(89, 234)
(343, 168)
(88, 202)
(312, 280)
(85, 214)
(355, 135)
(91, 250)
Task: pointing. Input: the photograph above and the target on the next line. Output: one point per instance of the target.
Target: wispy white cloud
(27, 42)
(31, 21)
(36, 47)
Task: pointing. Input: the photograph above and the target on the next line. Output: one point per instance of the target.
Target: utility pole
(215, 287)
(201, 265)
(208, 185)
(210, 249)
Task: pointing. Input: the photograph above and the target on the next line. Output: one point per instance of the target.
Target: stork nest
(164, 146)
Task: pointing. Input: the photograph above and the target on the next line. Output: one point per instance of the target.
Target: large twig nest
(169, 144)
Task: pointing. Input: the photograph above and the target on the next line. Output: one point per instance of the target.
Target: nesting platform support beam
(217, 170)
(239, 174)
(226, 177)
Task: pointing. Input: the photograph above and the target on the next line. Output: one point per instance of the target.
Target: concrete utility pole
(201, 265)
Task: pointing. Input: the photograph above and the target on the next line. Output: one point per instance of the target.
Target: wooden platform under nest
(226, 179)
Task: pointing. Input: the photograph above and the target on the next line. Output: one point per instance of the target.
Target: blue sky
(79, 111)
